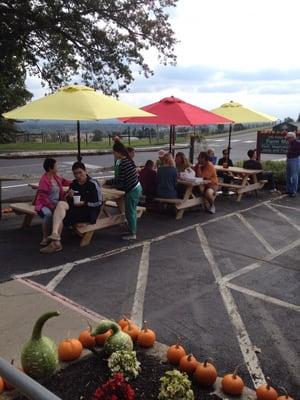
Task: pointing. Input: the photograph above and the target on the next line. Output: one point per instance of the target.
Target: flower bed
(80, 380)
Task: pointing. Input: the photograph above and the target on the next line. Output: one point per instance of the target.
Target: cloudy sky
(241, 50)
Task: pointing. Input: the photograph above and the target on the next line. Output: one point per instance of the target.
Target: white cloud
(242, 50)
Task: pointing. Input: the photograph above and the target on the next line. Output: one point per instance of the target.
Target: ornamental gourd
(123, 322)
(232, 383)
(69, 349)
(119, 340)
(188, 364)
(286, 396)
(175, 353)
(39, 355)
(266, 391)
(205, 373)
(146, 337)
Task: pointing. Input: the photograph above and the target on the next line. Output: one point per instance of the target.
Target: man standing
(292, 164)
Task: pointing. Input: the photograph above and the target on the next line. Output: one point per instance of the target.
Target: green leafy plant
(175, 386)
(126, 362)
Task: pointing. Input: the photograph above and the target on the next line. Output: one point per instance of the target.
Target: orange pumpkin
(206, 374)
(123, 322)
(266, 391)
(2, 385)
(132, 330)
(100, 339)
(286, 396)
(146, 337)
(175, 353)
(233, 384)
(69, 349)
(188, 364)
(87, 341)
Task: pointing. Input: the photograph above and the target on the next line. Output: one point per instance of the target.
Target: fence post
(129, 136)
(192, 149)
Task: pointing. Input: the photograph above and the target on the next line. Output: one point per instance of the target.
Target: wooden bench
(85, 231)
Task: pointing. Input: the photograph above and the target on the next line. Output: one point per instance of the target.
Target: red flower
(116, 388)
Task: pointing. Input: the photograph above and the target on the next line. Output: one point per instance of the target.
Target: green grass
(32, 146)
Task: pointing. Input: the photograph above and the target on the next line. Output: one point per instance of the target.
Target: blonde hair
(185, 162)
(168, 160)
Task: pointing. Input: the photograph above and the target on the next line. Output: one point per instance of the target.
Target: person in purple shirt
(292, 164)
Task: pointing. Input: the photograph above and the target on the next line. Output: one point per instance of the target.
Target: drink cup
(76, 199)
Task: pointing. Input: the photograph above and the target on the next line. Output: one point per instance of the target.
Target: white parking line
(142, 279)
(263, 297)
(258, 264)
(243, 338)
(289, 220)
(287, 207)
(59, 277)
(90, 166)
(256, 233)
(249, 141)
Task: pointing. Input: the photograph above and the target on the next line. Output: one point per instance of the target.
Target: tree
(12, 94)
(298, 119)
(102, 42)
(289, 120)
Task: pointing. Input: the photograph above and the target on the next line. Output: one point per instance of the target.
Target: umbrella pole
(79, 158)
(170, 139)
(229, 142)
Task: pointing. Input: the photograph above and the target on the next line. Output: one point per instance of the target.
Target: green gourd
(119, 340)
(39, 356)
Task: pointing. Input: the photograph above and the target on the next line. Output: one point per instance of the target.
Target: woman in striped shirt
(127, 180)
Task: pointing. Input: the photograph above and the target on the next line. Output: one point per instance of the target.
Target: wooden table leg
(243, 184)
(187, 195)
(86, 239)
(27, 220)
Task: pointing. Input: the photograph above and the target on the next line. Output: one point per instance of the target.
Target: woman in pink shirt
(50, 192)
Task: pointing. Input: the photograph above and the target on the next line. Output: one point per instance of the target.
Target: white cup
(76, 199)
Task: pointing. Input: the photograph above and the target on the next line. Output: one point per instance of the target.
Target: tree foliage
(103, 42)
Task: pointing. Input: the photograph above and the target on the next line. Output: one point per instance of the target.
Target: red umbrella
(173, 111)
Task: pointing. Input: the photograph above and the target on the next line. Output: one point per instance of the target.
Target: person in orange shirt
(206, 170)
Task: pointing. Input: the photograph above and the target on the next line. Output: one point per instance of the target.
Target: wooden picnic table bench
(112, 198)
(189, 199)
(248, 180)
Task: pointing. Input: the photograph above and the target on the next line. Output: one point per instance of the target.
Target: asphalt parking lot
(229, 284)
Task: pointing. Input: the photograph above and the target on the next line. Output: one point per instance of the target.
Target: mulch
(80, 380)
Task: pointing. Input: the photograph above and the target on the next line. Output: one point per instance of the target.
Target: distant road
(241, 143)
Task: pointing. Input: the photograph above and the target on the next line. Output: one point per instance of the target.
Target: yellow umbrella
(78, 103)
(242, 115)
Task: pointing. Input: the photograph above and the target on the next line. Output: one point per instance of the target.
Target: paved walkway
(229, 283)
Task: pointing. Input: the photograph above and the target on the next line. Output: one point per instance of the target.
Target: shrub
(175, 386)
(124, 361)
(116, 388)
(277, 167)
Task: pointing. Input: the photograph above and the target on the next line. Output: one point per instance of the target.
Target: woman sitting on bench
(50, 192)
(84, 200)
(167, 178)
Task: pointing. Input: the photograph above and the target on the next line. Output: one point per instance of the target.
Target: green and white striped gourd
(119, 340)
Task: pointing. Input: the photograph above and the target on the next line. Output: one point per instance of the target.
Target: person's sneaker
(292, 195)
(53, 247)
(129, 237)
(273, 190)
(212, 209)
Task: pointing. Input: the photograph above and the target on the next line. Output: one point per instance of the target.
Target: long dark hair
(120, 148)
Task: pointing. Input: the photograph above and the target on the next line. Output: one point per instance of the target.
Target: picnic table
(248, 180)
(112, 213)
(189, 200)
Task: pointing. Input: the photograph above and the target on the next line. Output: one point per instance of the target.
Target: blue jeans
(46, 214)
(292, 174)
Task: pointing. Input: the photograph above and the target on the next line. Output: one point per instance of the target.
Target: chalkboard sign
(269, 142)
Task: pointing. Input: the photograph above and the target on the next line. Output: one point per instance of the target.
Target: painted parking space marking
(245, 343)
(59, 277)
(264, 297)
(258, 264)
(256, 233)
(142, 279)
(283, 216)
(287, 207)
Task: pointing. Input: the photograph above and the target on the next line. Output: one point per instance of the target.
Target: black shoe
(292, 194)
